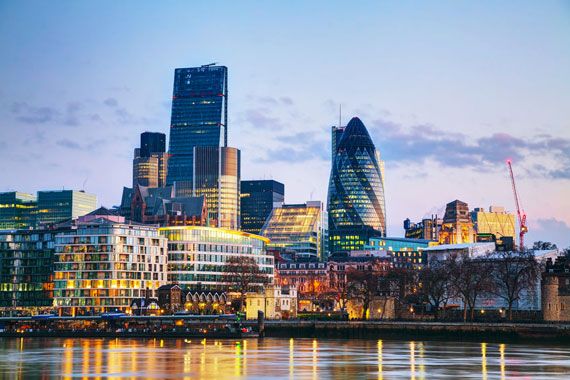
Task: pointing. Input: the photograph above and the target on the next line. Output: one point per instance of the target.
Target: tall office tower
(217, 176)
(199, 118)
(336, 134)
(152, 142)
(356, 204)
(257, 201)
(17, 210)
(150, 160)
(60, 205)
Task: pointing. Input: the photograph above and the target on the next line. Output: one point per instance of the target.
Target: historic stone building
(556, 290)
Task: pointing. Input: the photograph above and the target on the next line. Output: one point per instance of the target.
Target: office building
(197, 255)
(217, 177)
(257, 200)
(356, 205)
(150, 160)
(199, 118)
(17, 210)
(299, 229)
(457, 226)
(427, 229)
(61, 205)
(27, 268)
(496, 223)
(104, 263)
(405, 253)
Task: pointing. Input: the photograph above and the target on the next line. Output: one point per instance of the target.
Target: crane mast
(523, 229)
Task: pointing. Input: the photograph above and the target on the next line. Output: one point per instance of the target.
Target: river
(279, 358)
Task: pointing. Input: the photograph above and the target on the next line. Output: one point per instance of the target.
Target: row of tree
(503, 275)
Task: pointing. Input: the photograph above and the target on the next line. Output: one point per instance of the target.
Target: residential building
(300, 228)
(199, 118)
(60, 205)
(356, 204)
(105, 263)
(17, 210)
(217, 172)
(309, 278)
(257, 200)
(197, 255)
(27, 268)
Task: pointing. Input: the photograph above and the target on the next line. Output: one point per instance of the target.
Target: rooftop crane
(520, 213)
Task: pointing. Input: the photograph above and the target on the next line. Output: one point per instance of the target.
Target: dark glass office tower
(152, 142)
(199, 118)
(356, 205)
(257, 200)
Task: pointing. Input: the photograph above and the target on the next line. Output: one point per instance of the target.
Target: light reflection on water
(278, 358)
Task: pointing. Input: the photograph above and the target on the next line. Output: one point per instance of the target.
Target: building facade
(17, 210)
(27, 268)
(427, 229)
(150, 160)
(298, 228)
(457, 226)
(199, 118)
(555, 290)
(197, 255)
(356, 204)
(60, 205)
(257, 200)
(104, 263)
(217, 172)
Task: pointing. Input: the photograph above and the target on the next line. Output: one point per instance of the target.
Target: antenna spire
(340, 115)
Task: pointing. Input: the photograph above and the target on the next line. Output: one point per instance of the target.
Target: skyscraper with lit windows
(199, 118)
(356, 205)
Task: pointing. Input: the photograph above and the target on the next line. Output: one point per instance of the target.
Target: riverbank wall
(419, 330)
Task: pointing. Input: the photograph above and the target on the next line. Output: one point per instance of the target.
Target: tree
(338, 286)
(470, 278)
(362, 286)
(435, 284)
(544, 246)
(513, 273)
(402, 284)
(244, 275)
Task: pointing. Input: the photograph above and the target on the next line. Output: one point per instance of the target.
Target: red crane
(520, 213)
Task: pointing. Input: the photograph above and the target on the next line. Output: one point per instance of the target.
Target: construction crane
(520, 212)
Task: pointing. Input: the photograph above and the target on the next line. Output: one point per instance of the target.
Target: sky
(448, 90)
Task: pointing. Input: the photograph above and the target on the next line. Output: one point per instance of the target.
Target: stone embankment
(419, 330)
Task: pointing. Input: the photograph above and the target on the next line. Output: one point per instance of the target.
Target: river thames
(279, 358)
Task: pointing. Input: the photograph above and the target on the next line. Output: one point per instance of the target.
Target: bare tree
(543, 245)
(338, 286)
(435, 285)
(244, 275)
(403, 287)
(471, 278)
(362, 286)
(513, 273)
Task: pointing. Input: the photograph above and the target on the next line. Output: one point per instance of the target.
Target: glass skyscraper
(257, 200)
(60, 205)
(17, 210)
(356, 205)
(199, 118)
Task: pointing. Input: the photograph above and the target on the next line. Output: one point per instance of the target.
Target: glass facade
(217, 176)
(152, 142)
(17, 210)
(257, 200)
(103, 266)
(199, 118)
(297, 228)
(58, 206)
(151, 160)
(26, 268)
(197, 255)
(356, 204)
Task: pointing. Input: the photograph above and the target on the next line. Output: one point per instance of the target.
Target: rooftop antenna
(340, 115)
(84, 182)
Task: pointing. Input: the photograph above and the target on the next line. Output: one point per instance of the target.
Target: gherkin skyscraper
(356, 204)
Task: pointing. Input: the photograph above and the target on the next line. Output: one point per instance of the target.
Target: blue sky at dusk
(448, 90)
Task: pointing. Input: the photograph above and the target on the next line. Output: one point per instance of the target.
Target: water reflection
(277, 358)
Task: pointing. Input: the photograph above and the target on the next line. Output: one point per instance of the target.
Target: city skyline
(431, 124)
